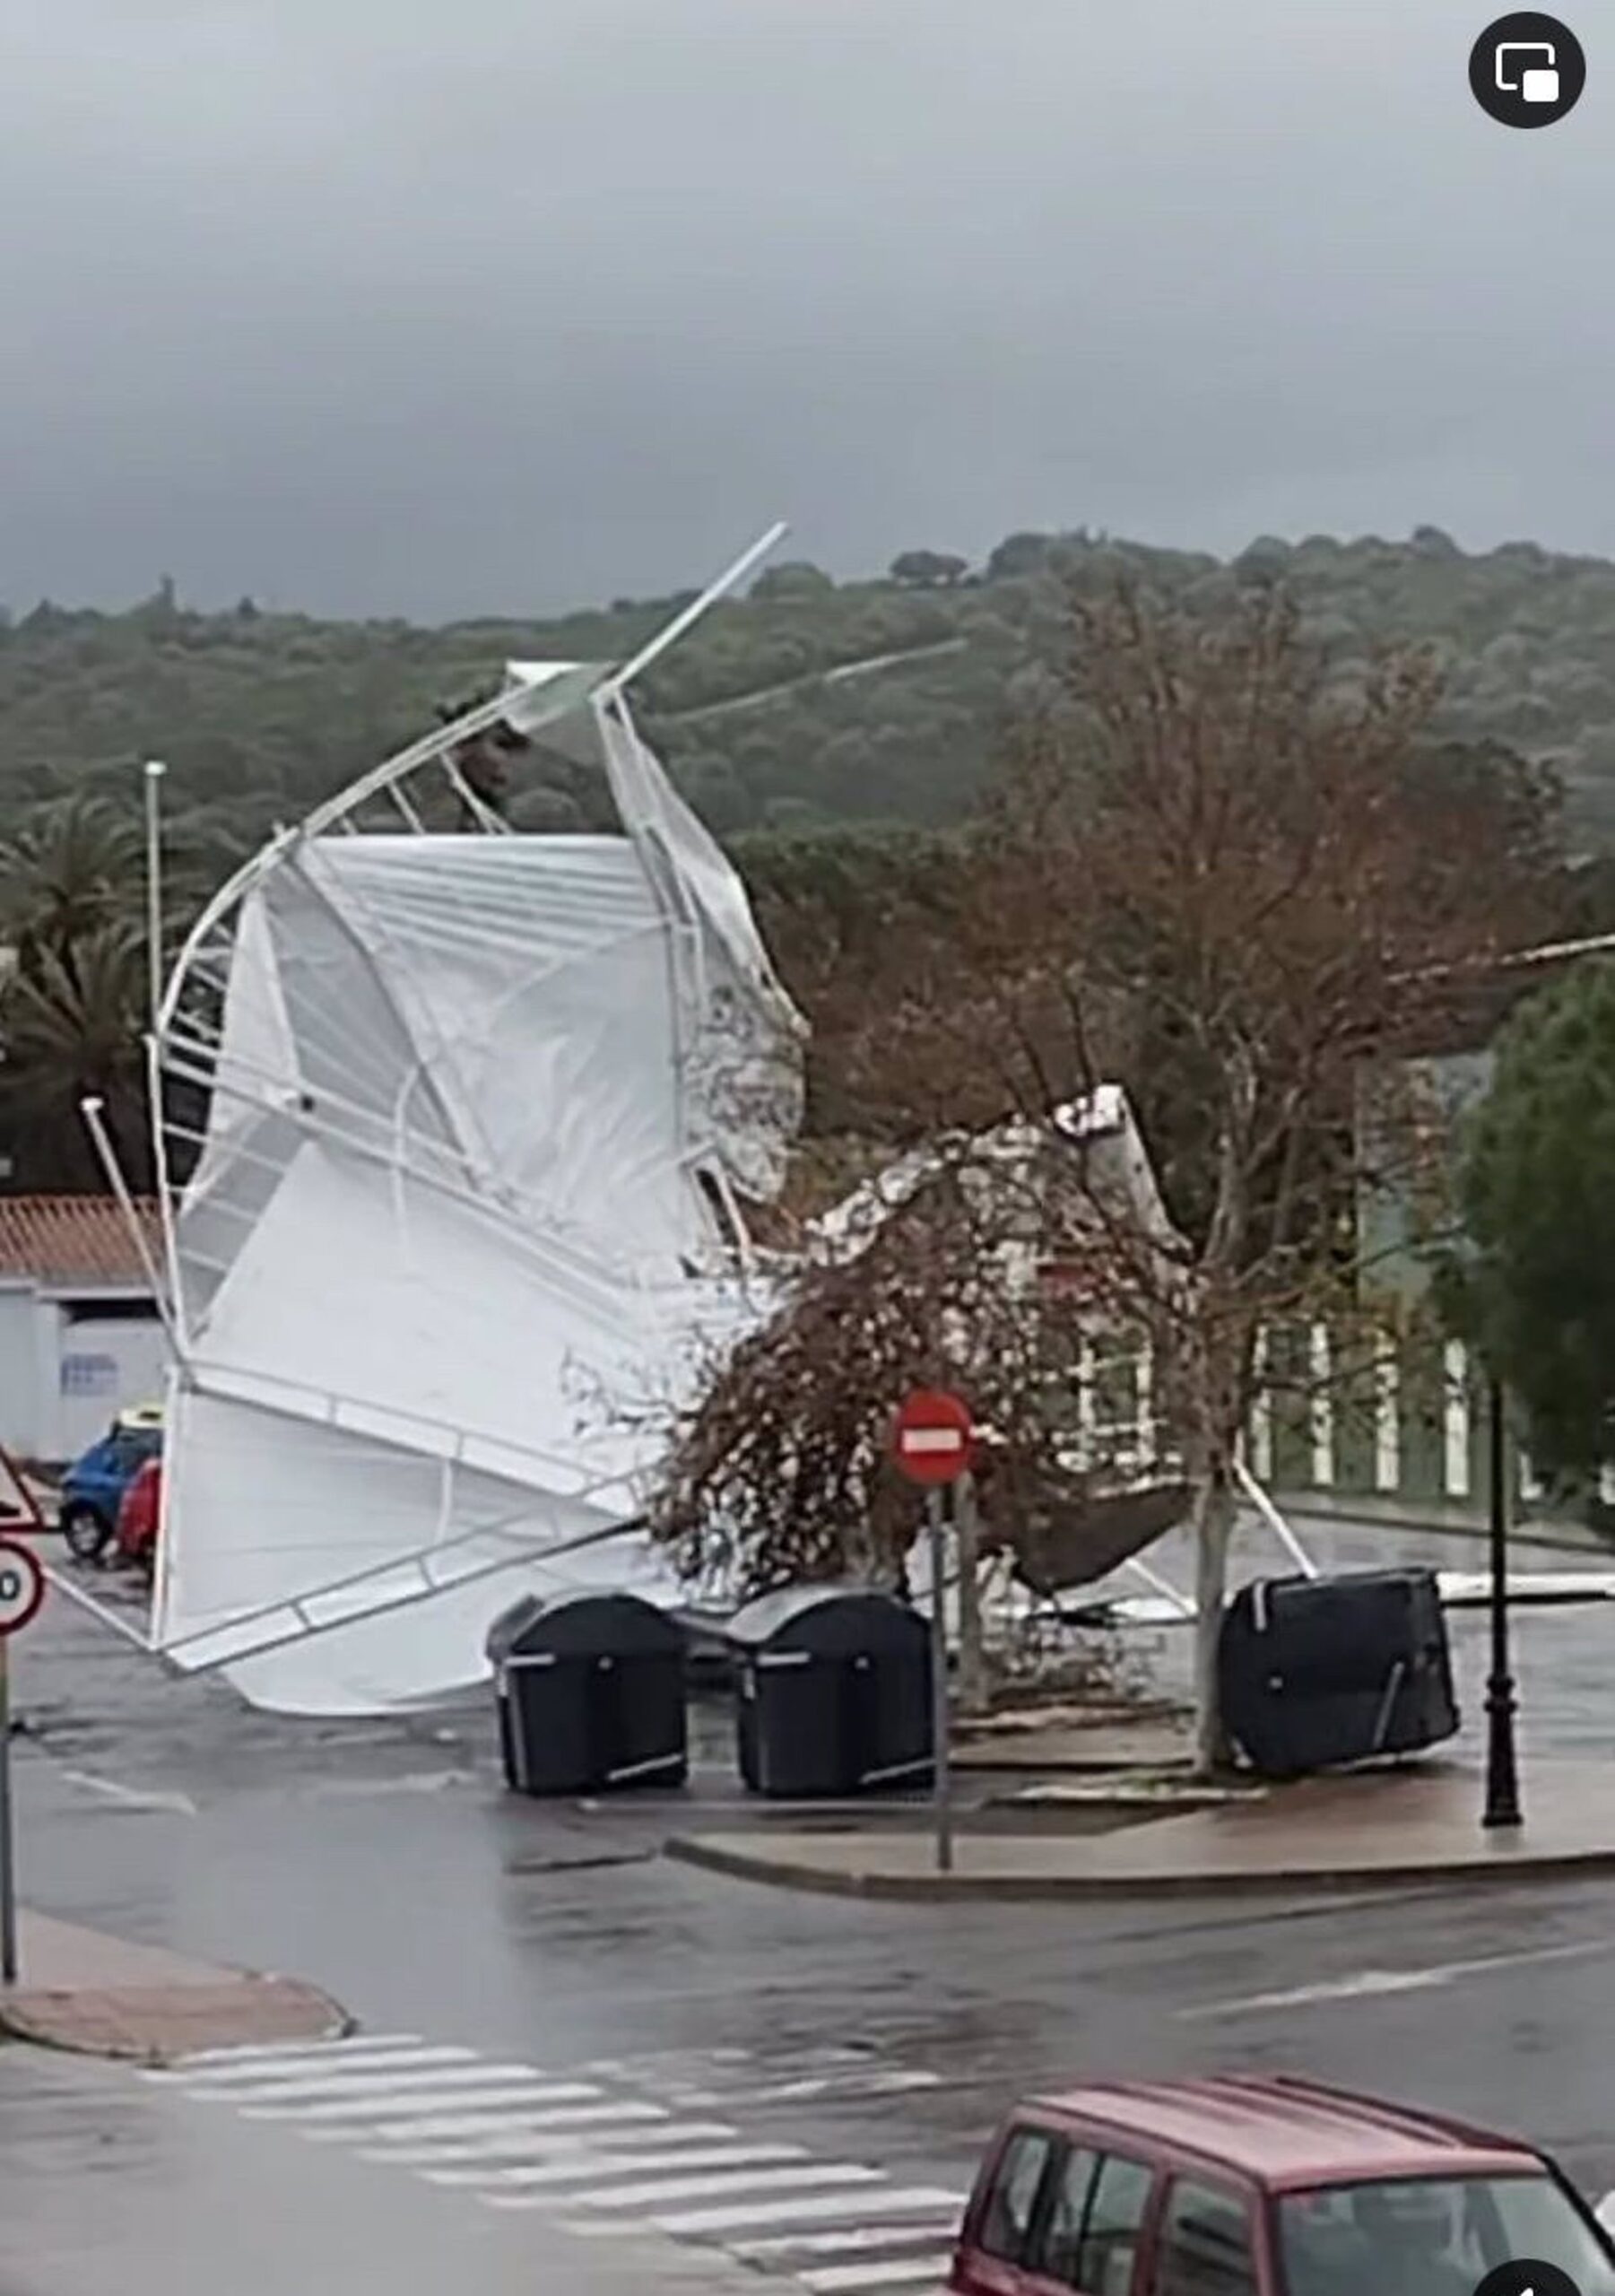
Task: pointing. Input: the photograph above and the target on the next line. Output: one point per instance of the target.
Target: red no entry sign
(22, 1584)
(932, 1440)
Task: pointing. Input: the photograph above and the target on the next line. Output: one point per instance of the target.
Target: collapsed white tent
(472, 1115)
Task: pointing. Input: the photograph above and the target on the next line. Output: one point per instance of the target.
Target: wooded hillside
(782, 709)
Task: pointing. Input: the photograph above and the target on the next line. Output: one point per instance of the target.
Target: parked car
(139, 1512)
(1253, 2185)
(93, 1487)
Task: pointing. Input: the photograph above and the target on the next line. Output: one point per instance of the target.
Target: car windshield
(1432, 2236)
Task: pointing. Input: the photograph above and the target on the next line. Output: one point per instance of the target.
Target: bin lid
(582, 1623)
(830, 1618)
(1341, 1630)
(1371, 1593)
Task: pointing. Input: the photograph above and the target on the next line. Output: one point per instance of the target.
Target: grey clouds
(390, 306)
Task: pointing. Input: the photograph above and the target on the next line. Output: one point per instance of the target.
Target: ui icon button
(1527, 71)
(1526, 2277)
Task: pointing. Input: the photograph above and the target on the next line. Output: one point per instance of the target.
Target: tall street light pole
(154, 771)
(1502, 1772)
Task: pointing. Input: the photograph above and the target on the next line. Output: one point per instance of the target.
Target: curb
(91, 1993)
(1034, 1889)
(55, 2019)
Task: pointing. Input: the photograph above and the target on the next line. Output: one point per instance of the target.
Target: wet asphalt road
(385, 1863)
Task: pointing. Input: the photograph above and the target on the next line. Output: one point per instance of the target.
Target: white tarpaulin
(476, 1108)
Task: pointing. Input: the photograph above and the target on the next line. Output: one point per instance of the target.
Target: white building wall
(63, 1377)
(1455, 1421)
(97, 1366)
(20, 1368)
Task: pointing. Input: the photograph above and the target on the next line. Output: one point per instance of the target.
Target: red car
(139, 1512)
(1253, 2185)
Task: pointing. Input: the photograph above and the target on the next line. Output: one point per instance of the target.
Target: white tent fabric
(463, 1210)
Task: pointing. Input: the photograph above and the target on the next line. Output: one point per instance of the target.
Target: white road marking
(281, 2078)
(1366, 1983)
(818, 2084)
(930, 2271)
(716, 2185)
(507, 2145)
(601, 2164)
(438, 2079)
(599, 2168)
(849, 2240)
(427, 2106)
(454, 2126)
(645, 2068)
(132, 1798)
(813, 2208)
(297, 2052)
(419, 1781)
(580, 2228)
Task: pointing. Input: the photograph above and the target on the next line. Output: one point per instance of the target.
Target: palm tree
(76, 865)
(72, 1000)
(73, 1027)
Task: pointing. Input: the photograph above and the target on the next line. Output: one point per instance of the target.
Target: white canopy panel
(477, 1107)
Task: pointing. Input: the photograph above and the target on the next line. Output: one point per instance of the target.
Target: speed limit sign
(22, 1584)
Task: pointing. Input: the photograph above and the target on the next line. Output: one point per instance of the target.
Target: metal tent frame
(352, 1011)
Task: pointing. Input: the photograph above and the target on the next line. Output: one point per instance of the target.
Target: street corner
(1364, 1829)
(94, 1995)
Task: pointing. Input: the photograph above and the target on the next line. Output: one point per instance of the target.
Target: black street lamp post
(1502, 1772)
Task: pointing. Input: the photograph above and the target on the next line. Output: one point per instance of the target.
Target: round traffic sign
(932, 1438)
(22, 1584)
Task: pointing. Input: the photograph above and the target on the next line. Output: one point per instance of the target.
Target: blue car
(93, 1486)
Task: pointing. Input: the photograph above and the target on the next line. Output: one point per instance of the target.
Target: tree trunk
(967, 1548)
(1213, 1527)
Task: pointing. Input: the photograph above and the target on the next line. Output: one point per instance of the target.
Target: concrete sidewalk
(81, 1989)
(1406, 1825)
(1059, 1738)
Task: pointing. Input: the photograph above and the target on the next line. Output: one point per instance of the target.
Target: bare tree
(1222, 876)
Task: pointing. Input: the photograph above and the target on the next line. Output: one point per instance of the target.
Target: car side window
(1012, 2202)
(1117, 2205)
(1058, 2239)
(1205, 2243)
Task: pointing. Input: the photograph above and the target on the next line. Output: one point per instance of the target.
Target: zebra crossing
(693, 2145)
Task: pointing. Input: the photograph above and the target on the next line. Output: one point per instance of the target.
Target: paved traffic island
(1094, 1740)
(1411, 1824)
(80, 1989)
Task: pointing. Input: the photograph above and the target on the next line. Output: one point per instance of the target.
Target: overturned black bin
(833, 1692)
(1318, 1671)
(591, 1694)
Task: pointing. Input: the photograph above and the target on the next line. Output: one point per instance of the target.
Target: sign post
(22, 1592)
(932, 1443)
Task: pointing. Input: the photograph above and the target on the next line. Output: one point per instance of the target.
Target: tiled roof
(66, 1239)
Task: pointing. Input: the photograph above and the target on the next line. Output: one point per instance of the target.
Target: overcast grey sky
(427, 308)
